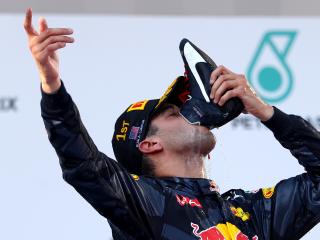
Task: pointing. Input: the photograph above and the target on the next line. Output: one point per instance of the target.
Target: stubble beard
(203, 141)
(196, 141)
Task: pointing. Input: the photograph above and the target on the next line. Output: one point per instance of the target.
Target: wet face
(179, 136)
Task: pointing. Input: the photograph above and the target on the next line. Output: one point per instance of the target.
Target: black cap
(132, 125)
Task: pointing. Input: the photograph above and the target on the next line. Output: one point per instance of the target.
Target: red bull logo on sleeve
(222, 231)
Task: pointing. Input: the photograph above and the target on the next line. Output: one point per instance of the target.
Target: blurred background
(126, 51)
(167, 7)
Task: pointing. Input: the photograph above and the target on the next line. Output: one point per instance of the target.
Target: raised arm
(113, 192)
(292, 208)
(296, 201)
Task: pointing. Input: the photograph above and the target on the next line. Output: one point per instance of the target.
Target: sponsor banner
(249, 123)
(133, 58)
(8, 104)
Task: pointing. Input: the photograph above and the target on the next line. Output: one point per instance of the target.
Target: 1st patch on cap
(138, 106)
(123, 131)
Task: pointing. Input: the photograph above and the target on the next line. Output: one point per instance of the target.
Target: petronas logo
(269, 73)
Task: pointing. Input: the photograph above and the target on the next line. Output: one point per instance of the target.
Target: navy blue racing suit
(142, 207)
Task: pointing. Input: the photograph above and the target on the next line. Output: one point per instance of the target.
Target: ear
(150, 145)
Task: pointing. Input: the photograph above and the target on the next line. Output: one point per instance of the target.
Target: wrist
(51, 87)
(266, 113)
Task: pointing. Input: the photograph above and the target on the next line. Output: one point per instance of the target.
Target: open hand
(43, 46)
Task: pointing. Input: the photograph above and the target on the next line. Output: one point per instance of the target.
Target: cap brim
(171, 91)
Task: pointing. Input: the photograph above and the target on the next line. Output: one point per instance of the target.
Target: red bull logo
(182, 200)
(226, 231)
(211, 233)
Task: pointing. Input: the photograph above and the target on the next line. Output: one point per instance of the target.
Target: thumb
(43, 26)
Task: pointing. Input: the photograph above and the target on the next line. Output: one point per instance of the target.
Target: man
(172, 199)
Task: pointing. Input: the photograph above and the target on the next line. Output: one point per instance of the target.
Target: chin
(207, 142)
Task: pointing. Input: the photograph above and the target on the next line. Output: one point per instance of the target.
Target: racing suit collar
(197, 186)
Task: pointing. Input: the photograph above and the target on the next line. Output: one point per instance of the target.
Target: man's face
(179, 136)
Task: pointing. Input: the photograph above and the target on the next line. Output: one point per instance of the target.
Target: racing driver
(157, 188)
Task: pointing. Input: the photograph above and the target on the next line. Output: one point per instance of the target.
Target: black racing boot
(199, 109)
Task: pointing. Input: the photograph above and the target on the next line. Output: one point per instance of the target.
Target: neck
(187, 166)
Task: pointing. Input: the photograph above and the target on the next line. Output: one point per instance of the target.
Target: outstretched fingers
(42, 50)
(43, 26)
(47, 39)
(28, 24)
(43, 56)
(43, 45)
(52, 40)
(50, 32)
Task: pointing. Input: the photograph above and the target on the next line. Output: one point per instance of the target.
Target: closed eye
(173, 113)
(169, 110)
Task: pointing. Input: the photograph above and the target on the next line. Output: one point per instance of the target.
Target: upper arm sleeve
(99, 179)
